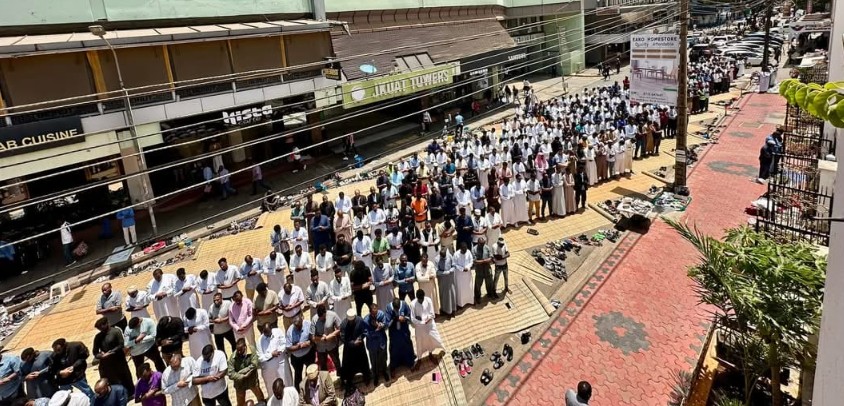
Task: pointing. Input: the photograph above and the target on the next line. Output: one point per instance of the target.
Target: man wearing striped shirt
(176, 382)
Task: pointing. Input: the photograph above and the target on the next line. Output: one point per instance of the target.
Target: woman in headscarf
(540, 163)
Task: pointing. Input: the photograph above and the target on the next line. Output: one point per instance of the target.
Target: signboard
(39, 135)
(247, 116)
(331, 73)
(363, 92)
(525, 39)
(654, 64)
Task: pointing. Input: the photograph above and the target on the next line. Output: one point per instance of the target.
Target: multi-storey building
(213, 79)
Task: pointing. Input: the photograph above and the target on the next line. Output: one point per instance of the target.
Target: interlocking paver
(649, 286)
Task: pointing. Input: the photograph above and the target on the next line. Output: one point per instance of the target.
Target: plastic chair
(62, 287)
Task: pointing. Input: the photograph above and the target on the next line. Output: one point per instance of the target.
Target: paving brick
(647, 285)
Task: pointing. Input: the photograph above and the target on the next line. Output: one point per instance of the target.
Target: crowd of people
(425, 241)
(708, 76)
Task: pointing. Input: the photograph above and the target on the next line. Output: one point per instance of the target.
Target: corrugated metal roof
(376, 40)
(38, 43)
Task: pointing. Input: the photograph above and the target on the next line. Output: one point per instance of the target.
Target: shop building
(166, 70)
(609, 24)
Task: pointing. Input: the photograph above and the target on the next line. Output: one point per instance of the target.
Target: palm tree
(769, 291)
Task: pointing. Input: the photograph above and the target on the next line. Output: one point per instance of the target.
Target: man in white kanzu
(185, 290)
(160, 289)
(198, 329)
(427, 336)
(272, 353)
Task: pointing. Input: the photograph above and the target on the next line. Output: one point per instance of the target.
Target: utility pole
(682, 101)
(766, 48)
(561, 34)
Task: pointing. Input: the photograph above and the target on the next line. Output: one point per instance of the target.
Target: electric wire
(200, 157)
(279, 157)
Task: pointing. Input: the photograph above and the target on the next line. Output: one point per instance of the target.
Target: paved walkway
(196, 216)
(637, 322)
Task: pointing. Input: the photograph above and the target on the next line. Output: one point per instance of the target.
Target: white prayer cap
(350, 314)
(131, 289)
(59, 398)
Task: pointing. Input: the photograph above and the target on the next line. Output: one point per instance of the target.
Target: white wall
(829, 374)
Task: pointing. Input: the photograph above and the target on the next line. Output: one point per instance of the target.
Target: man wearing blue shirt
(10, 379)
(110, 395)
(405, 275)
(127, 221)
(458, 121)
(300, 349)
(375, 324)
(35, 366)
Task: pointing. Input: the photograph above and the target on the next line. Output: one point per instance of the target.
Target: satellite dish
(368, 69)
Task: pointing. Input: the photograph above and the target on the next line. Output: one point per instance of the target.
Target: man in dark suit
(581, 183)
(374, 198)
(69, 365)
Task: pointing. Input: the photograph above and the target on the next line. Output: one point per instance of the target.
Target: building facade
(209, 85)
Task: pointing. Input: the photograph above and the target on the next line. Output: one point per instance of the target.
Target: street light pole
(681, 160)
(99, 31)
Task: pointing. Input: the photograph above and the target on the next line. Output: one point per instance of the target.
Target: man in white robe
(275, 267)
(272, 353)
(185, 290)
(362, 249)
(520, 206)
(340, 292)
(301, 265)
(206, 289)
(462, 260)
(160, 289)
(299, 236)
(137, 303)
(508, 208)
(197, 327)
(425, 328)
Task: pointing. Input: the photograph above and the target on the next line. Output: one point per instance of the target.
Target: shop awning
(374, 41)
(25, 44)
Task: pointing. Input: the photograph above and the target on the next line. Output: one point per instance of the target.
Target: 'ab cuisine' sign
(42, 134)
(373, 90)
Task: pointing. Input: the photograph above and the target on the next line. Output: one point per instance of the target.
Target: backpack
(355, 399)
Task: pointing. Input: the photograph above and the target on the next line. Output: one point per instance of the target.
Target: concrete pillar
(237, 155)
(132, 165)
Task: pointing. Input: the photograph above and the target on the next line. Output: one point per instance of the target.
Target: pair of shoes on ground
(498, 358)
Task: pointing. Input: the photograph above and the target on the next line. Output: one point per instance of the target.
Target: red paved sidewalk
(637, 322)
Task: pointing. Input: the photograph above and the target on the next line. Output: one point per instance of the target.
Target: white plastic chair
(62, 287)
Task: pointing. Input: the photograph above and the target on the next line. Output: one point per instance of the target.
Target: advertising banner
(368, 91)
(654, 64)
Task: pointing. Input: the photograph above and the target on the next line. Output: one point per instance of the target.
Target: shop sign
(525, 39)
(331, 73)
(478, 72)
(39, 135)
(247, 116)
(364, 92)
(517, 57)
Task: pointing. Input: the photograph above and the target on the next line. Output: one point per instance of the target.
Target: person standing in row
(483, 273)
(290, 303)
(226, 278)
(427, 336)
(109, 306)
(176, 381)
(137, 302)
(108, 349)
(352, 334)
(250, 270)
(243, 371)
(272, 354)
(198, 330)
(500, 253)
(185, 290)
(160, 288)
(69, 364)
(275, 267)
(241, 318)
(218, 313)
(375, 327)
(266, 306)
(209, 373)
(325, 332)
(34, 368)
(148, 390)
(340, 289)
(140, 340)
(300, 349)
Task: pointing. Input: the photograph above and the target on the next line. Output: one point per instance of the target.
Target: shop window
(250, 54)
(306, 49)
(34, 79)
(141, 67)
(14, 194)
(201, 60)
